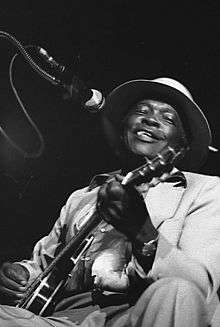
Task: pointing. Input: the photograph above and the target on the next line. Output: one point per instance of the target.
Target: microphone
(90, 99)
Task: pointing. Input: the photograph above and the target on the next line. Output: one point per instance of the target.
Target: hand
(124, 208)
(13, 282)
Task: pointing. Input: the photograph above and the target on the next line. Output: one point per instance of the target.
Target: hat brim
(120, 100)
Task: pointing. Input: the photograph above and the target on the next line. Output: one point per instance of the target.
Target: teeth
(140, 133)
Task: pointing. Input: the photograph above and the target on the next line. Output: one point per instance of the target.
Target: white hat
(195, 124)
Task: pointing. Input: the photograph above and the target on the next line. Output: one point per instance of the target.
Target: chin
(131, 160)
(148, 151)
(145, 154)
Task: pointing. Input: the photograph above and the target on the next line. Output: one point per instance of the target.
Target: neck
(131, 162)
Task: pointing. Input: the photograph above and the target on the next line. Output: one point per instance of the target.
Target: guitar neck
(60, 261)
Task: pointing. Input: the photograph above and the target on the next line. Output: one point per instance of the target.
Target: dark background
(105, 43)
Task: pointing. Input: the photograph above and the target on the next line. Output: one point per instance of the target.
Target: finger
(115, 191)
(13, 276)
(119, 224)
(10, 293)
(164, 176)
(132, 192)
(102, 193)
(110, 191)
(113, 214)
(12, 284)
(119, 178)
(118, 207)
(108, 213)
(18, 278)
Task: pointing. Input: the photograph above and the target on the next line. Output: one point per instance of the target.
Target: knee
(172, 299)
(175, 284)
(173, 291)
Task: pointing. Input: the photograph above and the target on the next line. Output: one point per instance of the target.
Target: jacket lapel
(162, 202)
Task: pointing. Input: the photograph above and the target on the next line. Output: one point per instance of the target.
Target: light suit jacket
(189, 246)
(189, 242)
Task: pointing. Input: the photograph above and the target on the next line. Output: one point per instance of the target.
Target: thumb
(119, 178)
(17, 273)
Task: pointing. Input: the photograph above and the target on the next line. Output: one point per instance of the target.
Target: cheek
(174, 135)
(129, 122)
(127, 130)
(126, 138)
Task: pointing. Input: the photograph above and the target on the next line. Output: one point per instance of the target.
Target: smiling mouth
(147, 135)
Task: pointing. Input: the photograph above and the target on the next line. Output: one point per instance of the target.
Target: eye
(141, 109)
(169, 118)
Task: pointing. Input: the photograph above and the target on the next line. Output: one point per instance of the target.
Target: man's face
(150, 126)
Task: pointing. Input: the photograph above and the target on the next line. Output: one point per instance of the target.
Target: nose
(151, 120)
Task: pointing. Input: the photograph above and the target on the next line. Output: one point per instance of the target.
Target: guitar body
(44, 298)
(42, 295)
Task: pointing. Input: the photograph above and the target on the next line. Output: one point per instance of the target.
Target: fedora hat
(169, 90)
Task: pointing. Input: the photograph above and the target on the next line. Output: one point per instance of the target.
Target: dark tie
(178, 178)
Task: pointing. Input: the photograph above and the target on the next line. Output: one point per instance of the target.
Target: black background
(105, 43)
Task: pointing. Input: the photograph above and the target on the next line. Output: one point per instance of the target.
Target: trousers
(168, 302)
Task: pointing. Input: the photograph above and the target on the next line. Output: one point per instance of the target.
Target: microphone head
(95, 103)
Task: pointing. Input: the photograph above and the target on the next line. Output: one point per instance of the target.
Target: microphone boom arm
(28, 58)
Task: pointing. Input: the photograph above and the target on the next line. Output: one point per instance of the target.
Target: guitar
(43, 294)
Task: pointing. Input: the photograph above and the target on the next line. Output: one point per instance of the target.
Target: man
(155, 256)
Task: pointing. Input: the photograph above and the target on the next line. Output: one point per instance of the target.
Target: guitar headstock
(161, 163)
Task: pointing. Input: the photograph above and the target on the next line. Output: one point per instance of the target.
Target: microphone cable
(42, 73)
(39, 151)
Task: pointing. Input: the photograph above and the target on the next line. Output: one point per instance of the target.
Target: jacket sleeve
(197, 255)
(46, 248)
